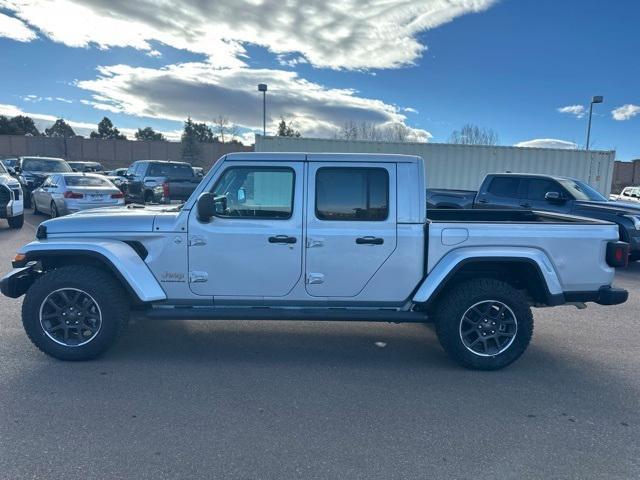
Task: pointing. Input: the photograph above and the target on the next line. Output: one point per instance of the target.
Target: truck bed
(505, 216)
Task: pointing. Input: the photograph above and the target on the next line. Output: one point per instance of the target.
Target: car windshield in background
(10, 162)
(582, 191)
(84, 181)
(45, 165)
(171, 170)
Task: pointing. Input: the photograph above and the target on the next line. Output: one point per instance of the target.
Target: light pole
(596, 99)
(262, 87)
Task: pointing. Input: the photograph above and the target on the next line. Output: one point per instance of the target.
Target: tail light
(117, 195)
(70, 194)
(165, 190)
(617, 254)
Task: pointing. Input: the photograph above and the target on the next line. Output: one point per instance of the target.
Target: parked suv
(33, 171)
(629, 194)
(87, 167)
(159, 181)
(10, 199)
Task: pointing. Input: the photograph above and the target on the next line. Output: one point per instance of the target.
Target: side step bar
(267, 313)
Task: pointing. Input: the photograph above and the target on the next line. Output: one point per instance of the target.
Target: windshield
(171, 170)
(582, 191)
(84, 181)
(45, 165)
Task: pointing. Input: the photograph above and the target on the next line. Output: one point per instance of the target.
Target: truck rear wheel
(484, 324)
(75, 312)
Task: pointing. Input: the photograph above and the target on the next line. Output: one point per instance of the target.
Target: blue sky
(509, 65)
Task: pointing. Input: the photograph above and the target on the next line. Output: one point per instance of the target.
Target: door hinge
(198, 277)
(315, 278)
(197, 240)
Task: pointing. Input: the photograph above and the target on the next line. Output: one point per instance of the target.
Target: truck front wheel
(484, 324)
(16, 222)
(75, 312)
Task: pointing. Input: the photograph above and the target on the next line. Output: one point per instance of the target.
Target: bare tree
(394, 132)
(471, 134)
(225, 130)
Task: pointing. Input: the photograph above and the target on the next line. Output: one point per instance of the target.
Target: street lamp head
(597, 99)
(262, 87)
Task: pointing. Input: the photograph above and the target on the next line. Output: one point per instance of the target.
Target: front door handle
(282, 239)
(369, 241)
(482, 200)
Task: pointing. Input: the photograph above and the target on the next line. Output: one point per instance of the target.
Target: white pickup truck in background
(313, 237)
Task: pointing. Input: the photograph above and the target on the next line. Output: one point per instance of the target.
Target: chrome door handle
(369, 241)
(282, 239)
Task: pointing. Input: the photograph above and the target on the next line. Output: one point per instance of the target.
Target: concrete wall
(111, 153)
(625, 174)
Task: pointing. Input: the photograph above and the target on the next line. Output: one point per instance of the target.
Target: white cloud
(36, 98)
(15, 29)
(410, 110)
(548, 143)
(625, 112)
(577, 110)
(203, 92)
(43, 120)
(350, 34)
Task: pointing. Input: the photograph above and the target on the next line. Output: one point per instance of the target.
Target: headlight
(635, 220)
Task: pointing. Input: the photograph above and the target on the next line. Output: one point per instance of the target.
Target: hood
(130, 218)
(8, 180)
(622, 208)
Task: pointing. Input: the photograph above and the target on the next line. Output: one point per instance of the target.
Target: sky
(525, 68)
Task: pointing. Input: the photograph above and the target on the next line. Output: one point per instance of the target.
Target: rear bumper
(605, 295)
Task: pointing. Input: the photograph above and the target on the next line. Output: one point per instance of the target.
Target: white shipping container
(465, 166)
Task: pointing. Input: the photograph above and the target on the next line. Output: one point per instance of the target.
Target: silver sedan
(65, 193)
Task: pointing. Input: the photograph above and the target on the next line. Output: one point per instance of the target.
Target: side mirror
(242, 196)
(17, 169)
(206, 207)
(554, 197)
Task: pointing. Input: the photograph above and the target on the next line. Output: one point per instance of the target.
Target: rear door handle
(369, 241)
(282, 239)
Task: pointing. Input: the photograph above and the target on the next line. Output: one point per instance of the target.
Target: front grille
(5, 195)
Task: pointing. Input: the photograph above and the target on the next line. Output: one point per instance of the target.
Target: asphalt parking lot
(297, 400)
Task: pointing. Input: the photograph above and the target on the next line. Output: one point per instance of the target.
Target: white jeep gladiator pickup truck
(312, 237)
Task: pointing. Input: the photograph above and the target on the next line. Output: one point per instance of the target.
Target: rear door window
(504, 187)
(360, 194)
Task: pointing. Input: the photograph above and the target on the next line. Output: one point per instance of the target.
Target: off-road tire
(99, 284)
(453, 306)
(16, 222)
